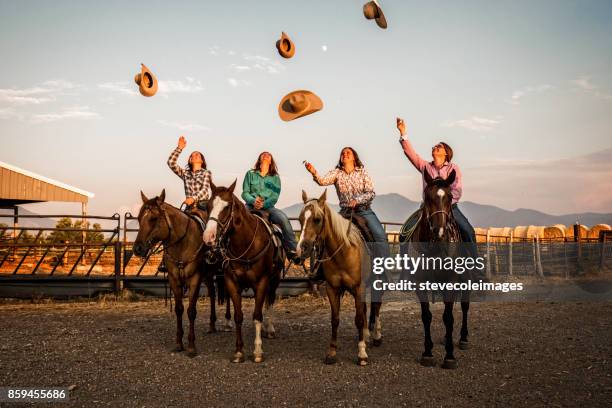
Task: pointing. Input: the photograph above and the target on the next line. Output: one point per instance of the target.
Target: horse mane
(340, 227)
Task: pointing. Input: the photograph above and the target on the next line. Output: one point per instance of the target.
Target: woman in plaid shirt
(195, 176)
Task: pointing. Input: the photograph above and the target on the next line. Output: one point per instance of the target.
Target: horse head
(437, 209)
(312, 218)
(154, 226)
(220, 209)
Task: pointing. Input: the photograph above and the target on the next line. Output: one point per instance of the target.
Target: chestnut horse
(344, 254)
(249, 259)
(437, 235)
(183, 256)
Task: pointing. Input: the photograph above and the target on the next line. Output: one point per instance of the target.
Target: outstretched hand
(182, 142)
(310, 168)
(401, 126)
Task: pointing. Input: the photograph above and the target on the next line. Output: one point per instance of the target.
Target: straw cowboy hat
(297, 104)
(146, 81)
(285, 46)
(371, 10)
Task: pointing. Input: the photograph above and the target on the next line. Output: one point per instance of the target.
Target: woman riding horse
(441, 166)
(195, 176)
(355, 192)
(260, 190)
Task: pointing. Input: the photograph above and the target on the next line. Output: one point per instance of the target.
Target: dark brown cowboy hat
(297, 104)
(371, 10)
(285, 46)
(147, 83)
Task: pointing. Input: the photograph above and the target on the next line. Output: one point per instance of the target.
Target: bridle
(447, 222)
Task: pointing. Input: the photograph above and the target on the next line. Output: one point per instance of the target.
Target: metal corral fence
(41, 259)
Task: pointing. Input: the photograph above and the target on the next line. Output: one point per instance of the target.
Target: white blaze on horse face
(440, 193)
(441, 232)
(299, 245)
(210, 233)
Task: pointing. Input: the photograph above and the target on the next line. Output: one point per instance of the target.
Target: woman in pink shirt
(440, 166)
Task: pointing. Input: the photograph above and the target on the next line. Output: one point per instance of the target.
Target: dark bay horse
(250, 261)
(183, 256)
(344, 255)
(437, 235)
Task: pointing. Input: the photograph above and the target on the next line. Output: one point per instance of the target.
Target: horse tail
(272, 286)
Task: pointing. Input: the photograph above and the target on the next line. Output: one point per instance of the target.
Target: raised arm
(416, 160)
(326, 180)
(172, 160)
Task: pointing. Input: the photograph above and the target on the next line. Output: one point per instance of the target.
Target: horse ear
(162, 196)
(304, 197)
(427, 176)
(144, 197)
(232, 186)
(323, 197)
(451, 177)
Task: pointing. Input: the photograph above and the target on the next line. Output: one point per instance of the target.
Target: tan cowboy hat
(147, 83)
(371, 10)
(297, 104)
(285, 46)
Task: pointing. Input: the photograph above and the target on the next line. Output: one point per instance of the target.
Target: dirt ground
(116, 353)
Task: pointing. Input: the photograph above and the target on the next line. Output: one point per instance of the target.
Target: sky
(521, 90)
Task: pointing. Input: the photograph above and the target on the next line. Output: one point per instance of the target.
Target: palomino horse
(345, 254)
(249, 259)
(183, 256)
(437, 234)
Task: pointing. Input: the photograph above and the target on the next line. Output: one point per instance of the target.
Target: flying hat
(285, 46)
(147, 83)
(371, 10)
(297, 104)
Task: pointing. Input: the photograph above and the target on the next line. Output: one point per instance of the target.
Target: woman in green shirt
(260, 190)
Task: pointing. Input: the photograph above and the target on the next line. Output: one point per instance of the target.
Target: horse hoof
(464, 345)
(191, 353)
(269, 335)
(330, 360)
(427, 361)
(211, 330)
(449, 363)
(258, 358)
(362, 361)
(177, 349)
(227, 328)
(238, 358)
(377, 342)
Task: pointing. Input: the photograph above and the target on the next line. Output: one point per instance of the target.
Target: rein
(448, 222)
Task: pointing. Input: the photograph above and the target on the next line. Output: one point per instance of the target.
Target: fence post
(577, 239)
(488, 274)
(117, 266)
(510, 253)
(538, 257)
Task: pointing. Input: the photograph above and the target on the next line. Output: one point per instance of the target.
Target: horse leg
(449, 358)
(260, 296)
(333, 294)
(234, 293)
(463, 340)
(269, 331)
(177, 290)
(194, 291)
(228, 326)
(210, 286)
(360, 323)
(427, 358)
(374, 323)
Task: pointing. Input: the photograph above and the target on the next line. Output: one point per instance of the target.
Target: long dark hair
(203, 160)
(358, 162)
(273, 170)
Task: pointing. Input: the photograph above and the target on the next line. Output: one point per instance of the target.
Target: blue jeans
(468, 234)
(277, 217)
(377, 231)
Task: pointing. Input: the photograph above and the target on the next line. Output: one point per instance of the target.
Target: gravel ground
(117, 353)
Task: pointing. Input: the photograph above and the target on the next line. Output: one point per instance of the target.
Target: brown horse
(437, 235)
(345, 254)
(249, 259)
(183, 256)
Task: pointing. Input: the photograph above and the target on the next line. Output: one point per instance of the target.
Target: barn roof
(19, 186)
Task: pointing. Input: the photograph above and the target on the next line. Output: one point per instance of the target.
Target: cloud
(237, 82)
(240, 68)
(43, 93)
(186, 127)
(77, 112)
(122, 87)
(10, 113)
(214, 50)
(190, 85)
(474, 123)
(586, 85)
(324, 48)
(265, 64)
(521, 93)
